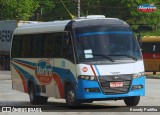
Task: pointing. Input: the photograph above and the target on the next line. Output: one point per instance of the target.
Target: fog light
(86, 77)
(87, 90)
(92, 78)
(134, 87)
(91, 89)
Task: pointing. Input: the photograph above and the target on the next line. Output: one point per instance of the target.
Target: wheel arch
(30, 81)
(67, 84)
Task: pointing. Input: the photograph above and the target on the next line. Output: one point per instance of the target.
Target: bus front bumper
(90, 90)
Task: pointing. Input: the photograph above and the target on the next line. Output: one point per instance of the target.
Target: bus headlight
(138, 75)
(86, 77)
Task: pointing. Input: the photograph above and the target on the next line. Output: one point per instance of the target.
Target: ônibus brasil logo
(44, 72)
(147, 8)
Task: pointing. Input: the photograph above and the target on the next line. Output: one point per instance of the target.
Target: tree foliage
(124, 9)
(17, 9)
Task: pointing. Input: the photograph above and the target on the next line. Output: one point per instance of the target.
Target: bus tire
(70, 97)
(35, 100)
(132, 101)
(43, 100)
(88, 101)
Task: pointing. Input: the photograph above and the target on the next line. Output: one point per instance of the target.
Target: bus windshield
(106, 43)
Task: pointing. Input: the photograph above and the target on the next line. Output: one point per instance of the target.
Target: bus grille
(105, 81)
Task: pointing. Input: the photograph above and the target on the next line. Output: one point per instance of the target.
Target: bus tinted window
(147, 47)
(113, 41)
(67, 47)
(48, 50)
(45, 45)
(58, 46)
(157, 47)
(26, 46)
(16, 46)
(37, 44)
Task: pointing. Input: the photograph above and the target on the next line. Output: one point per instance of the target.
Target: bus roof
(42, 27)
(59, 26)
(151, 39)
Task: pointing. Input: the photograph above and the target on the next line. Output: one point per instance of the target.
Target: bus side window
(48, 49)
(26, 46)
(157, 47)
(154, 48)
(37, 44)
(58, 45)
(67, 47)
(147, 47)
(17, 42)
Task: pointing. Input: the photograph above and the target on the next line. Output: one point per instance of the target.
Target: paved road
(9, 97)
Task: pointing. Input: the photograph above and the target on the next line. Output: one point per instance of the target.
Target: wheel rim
(71, 97)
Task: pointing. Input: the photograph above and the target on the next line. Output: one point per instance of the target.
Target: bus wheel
(43, 100)
(36, 99)
(70, 97)
(132, 101)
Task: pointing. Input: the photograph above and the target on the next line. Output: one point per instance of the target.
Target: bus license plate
(116, 84)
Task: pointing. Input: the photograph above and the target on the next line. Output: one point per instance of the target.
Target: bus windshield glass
(106, 43)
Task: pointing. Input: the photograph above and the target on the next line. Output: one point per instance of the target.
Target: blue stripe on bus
(97, 70)
(27, 76)
(25, 62)
(65, 74)
(100, 33)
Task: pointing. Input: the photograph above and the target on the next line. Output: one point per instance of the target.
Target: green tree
(54, 10)
(48, 10)
(17, 9)
(123, 9)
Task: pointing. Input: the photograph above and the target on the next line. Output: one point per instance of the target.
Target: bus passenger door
(64, 67)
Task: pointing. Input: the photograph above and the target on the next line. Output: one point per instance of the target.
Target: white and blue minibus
(82, 60)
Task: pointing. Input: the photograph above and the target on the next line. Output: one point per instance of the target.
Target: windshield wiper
(129, 56)
(132, 57)
(102, 55)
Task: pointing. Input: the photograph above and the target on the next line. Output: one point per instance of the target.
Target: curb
(5, 77)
